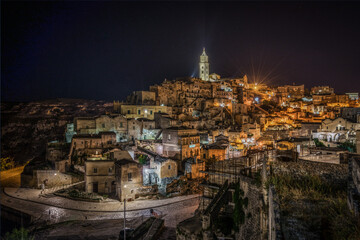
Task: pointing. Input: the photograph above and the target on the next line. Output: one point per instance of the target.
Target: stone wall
(52, 178)
(354, 185)
(328, 171)
(358, 142)
(251, 228)
(274, 232)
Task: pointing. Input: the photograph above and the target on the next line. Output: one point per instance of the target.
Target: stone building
(142, 98)
(113, 173)
(105, 123)
(194, 167)
(57, 154)
(85, 125)
(319, 90)
(353, 96)
(142, 129)
(163, 120)
(216, 151)
(100, 175)
(329, 125)
(352, 114)
(291, 91)
(128, 178)
(161, 171)
(88, 144)
(143, 111)
(70, 132)
(181, 143)
(113, 123)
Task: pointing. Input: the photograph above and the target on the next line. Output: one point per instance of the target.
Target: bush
(7, 163)
(318, 143)
(142, 159)
(18, 234)
(348, 146)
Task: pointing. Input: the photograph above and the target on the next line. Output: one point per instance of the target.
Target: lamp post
(125, 218)
(125, 215)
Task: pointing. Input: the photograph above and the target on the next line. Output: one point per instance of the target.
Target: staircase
(47, 192)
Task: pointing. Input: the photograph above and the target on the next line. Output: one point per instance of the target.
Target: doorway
(95, 187)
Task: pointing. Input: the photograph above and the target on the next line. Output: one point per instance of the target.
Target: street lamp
(125, 215)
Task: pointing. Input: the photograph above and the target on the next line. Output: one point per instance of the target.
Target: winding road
(57, 209)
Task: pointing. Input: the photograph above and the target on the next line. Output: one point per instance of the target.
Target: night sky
(106, 50)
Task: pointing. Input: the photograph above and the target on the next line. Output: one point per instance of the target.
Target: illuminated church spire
(204, 66)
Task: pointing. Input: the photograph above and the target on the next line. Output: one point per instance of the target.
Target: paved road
(53, 210)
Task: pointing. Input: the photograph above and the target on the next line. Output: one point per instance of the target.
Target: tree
(348, 146)
(142, 159)
(18, 234)
(7, 163)
(318, 143)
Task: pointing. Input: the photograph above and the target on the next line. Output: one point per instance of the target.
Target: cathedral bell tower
(204, 66)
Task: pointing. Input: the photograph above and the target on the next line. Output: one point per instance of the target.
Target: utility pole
(125, 218)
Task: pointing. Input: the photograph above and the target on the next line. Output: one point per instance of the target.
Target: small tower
(204, 66)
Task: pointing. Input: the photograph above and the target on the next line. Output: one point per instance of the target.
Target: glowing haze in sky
(106, 50)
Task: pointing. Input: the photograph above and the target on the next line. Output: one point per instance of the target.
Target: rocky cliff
(27, 127)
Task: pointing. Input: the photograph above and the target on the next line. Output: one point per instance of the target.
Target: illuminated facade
(204, 66)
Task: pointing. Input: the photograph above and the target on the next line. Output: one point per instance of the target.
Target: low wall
(52, 178)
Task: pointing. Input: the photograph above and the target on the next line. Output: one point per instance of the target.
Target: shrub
(18, 234)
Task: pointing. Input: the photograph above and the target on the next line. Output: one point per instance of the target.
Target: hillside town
(226, 141)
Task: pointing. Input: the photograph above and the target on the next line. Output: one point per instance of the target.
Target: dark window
(204, 155)
(110, 170)
(121, 124)
(95, 170)
(129, 177)
(150, 112)
(169, 166)
(139, 111)
(103, 125)
(128, 111)
(133, 127)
